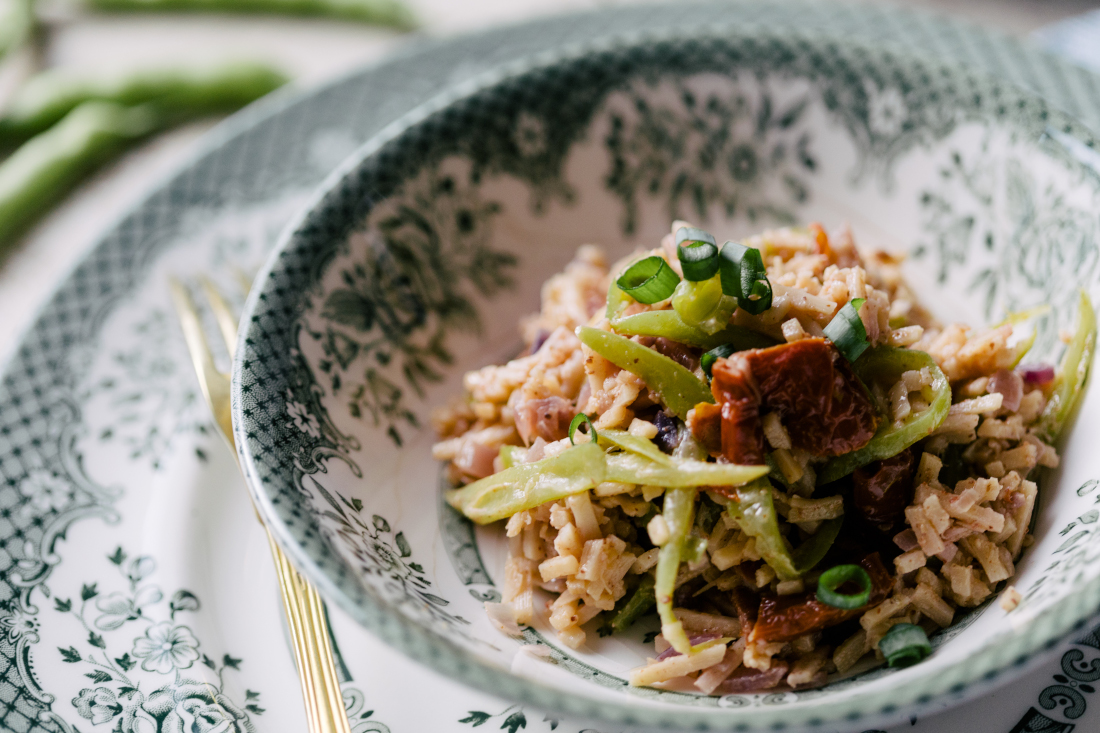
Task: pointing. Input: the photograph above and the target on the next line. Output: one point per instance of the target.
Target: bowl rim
(993, 663)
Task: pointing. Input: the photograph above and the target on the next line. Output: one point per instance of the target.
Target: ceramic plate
(136, 589)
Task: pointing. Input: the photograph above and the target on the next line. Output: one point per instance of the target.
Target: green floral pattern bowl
(420, 254)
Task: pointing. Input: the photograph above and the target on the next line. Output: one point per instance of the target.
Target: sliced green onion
(698, 254)
(649, 281)
(832, 579)
(905, 645)
(691, 234)
(707, 360)
(847, 332)
(576, 423)
(744, 277)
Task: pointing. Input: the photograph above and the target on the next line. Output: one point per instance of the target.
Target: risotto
(770, 444)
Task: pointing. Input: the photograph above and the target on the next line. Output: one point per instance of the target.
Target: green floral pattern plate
(413, 262)
(135, 589)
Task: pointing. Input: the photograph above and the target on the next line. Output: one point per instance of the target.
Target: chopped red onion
(536, 452)
(1037, 373)
(906, 540)
(694, 639)
(547, 418)
(583, 395)
(1010, 385)
(746, 679)
(1015, 499)
(947, 554)
(956, 533)
(475, 459)
(540, 338)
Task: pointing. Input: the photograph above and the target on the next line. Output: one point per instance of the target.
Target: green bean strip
(1074, 372)
(635, 444)
(813, 550)
(47, 167)
(702, 304)
(677, 388)
(679, 513)
(392, 13)
(177, 94)
(754, 512)
(885, 364)
(639, 603)
(669, 324)
(630, 468)
(526, 486)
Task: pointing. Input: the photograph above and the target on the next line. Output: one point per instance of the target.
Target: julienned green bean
(44, 169)
(177, 93)
(677, 388)
(1073, 373)
(885, 365)
(626, 613)
(392, 13)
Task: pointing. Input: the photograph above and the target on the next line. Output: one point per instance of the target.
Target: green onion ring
(847, 331)
(833, 578)
(576, 423)
(649, 281)
(698, 260)
(720, 352)
(744, 277)
(691, 234)
(905, 645)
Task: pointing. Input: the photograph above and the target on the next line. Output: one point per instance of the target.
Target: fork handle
(312, 652)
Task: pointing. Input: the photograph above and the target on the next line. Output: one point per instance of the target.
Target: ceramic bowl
(419, 256)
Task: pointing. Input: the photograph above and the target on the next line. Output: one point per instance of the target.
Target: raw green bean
(36, 175)
(178, 94)
(392, 13)
(16, 24)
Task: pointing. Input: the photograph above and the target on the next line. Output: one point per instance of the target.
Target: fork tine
(214, 384)
(227, 324)
(201, 357)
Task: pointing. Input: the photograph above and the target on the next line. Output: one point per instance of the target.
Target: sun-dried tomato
(822, 403)
(734, 389)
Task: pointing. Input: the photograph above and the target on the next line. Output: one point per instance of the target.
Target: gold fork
(305, 612)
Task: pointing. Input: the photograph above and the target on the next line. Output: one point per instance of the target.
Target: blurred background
(56, 201)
